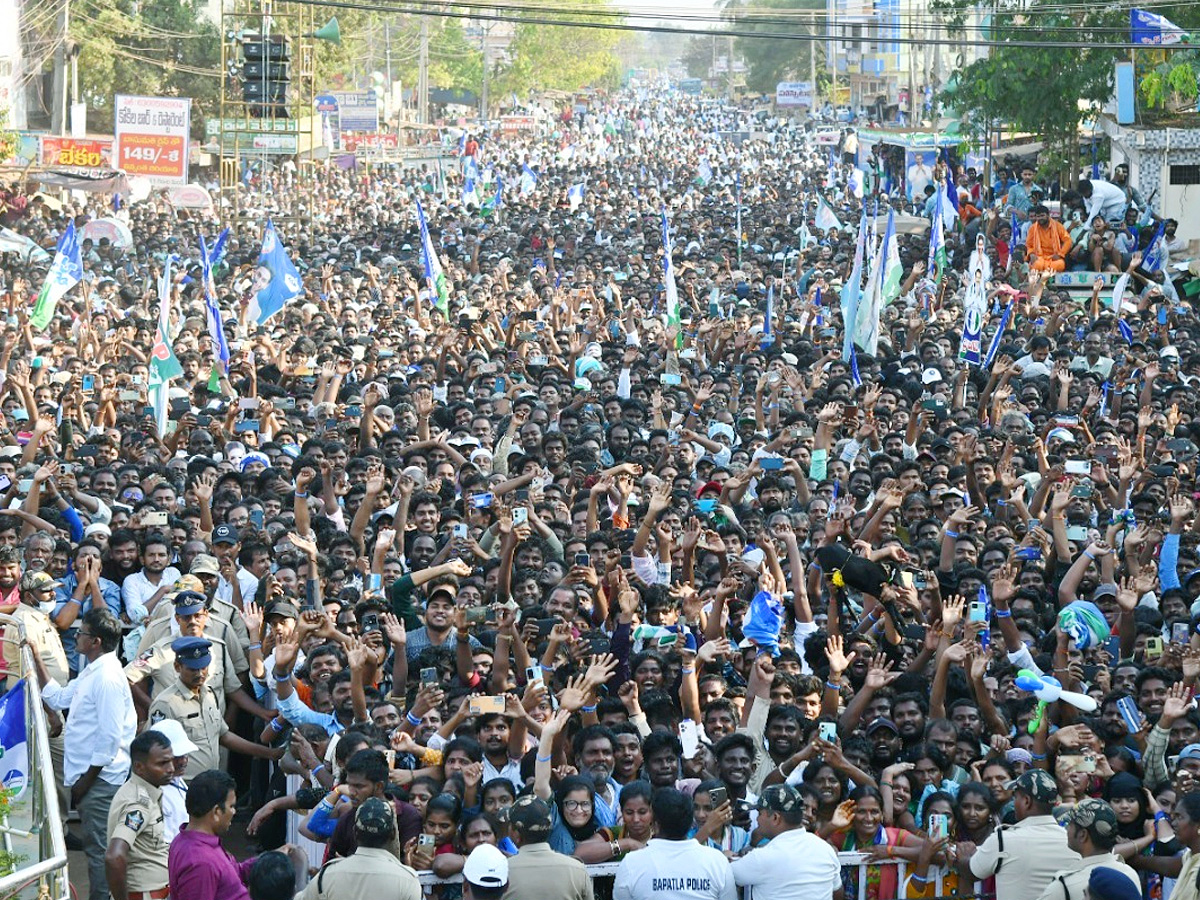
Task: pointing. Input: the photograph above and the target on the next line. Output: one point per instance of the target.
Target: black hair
(272, 877)
(672, 813)
(208, 791)
(370, 764)
(145, 742)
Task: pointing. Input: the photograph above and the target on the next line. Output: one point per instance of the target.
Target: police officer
(1091, 827)
(191, 615)
(1024, 857)
(135, 863)
(372, 871)
(194, 704)
(224, 621)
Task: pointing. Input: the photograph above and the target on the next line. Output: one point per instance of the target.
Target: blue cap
(193, 652)
(188, 603)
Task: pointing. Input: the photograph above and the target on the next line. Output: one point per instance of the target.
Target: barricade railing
(849, 860)
(32, 833)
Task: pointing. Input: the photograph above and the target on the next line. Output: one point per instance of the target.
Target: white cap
(181, 744)
(486, 867)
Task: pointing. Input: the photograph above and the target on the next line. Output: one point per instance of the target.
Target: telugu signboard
(75, 153)
(354, 142)
(794, 93)
(151, 136)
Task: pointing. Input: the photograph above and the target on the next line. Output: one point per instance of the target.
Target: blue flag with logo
(14, 741)
(276, 279)
(994, 347)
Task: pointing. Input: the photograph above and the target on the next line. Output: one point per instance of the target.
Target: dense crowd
(576, 566)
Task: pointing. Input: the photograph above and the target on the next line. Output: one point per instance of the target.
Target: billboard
(151, 137)
(794, 93)
(357, 111)
(77, 153)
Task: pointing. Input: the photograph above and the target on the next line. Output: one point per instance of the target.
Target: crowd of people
(578, 567)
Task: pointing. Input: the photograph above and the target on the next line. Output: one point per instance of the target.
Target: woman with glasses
(573, 804)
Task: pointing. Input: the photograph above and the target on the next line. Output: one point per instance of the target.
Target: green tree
(562, 57)
(160, 48)
(772, 60)
(1011, 85)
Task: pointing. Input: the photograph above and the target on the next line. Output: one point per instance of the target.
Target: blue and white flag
(218, 343)
(462, 144)
(705, 171)
(820, 321)
(528, 179)
(1156, 253)
(14, 741)
(435, 277)
(994, 347)
(1151, 28)
(276, 280)
(575, 196)
(970, 347)
(65, 272)
(471, 169)
(826, 220)
(1126, 331)
(470, 191)
(936, 266)
(852, 290)
(855, 377)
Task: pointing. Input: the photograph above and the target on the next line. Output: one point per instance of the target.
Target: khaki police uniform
(136, 818)
(539, 873)
(202, 718)
(43, 634)
(1072, 883)
(220, 627)
(370, 872)
(1024, 857)
(158, 664)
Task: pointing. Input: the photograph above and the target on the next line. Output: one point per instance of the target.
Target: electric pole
(59, 118)
(423, 74)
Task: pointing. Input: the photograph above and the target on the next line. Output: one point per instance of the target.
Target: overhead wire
(539, 15)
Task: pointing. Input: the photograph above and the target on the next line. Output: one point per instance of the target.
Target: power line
(486, 12)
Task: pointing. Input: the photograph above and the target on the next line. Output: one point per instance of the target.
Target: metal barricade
(33, 830)
(848, 860)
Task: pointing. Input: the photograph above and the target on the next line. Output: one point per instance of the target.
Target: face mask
(47, 607)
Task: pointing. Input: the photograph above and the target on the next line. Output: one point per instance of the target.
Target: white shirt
(175, 814)
(674, 870)
(101, 723)
(796, 865)
(1107, 200)
(246, 581)
(137, 589)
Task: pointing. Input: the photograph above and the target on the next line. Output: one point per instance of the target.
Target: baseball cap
(225, 534)
(38, 581)
(530, 815)
(1191, 751)
(193, 652)
(97, 528)
(881, 722)
(284, 609)
(204, 564)
(189, 583)
(181, 744)
(486, 867)
(780, 798)
(1094, 816)
(1038, 784)
(375, 817)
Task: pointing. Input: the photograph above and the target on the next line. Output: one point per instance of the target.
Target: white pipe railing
(45, 822)
(850, 859)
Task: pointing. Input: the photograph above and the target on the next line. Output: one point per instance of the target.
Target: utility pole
(423, 74)
(729, 62)
(483, 93)
(387, 64)
(59, 118)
